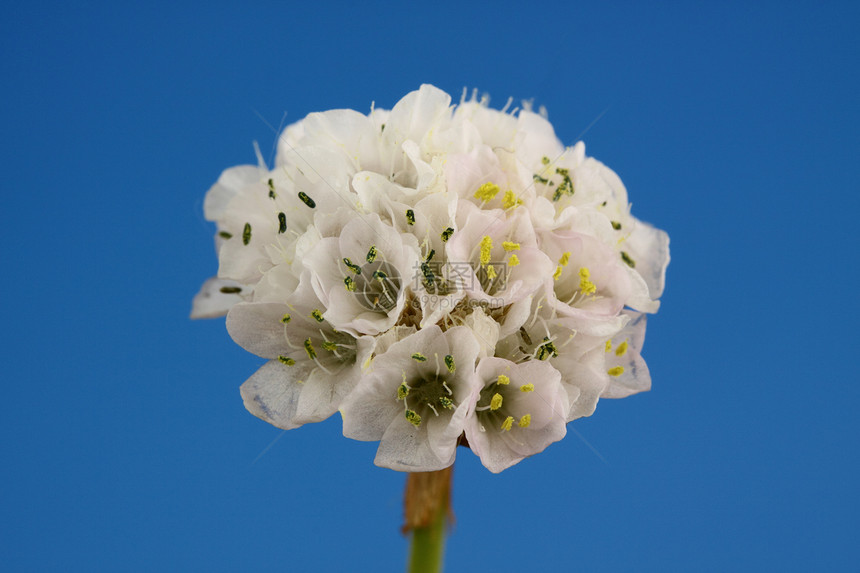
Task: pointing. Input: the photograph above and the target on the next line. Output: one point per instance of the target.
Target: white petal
(228, 186)
(406, 448)
(272, 393)
(649, 248)
(257, 327)
(210, 302)
(635, 376)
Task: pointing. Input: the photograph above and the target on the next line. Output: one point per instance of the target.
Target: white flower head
(440, 274)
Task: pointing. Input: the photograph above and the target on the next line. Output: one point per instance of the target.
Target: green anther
(349, 284)
(225, 235)
(449, 362)
(402, 391)
(566, 186)
(286, 318)
(429, 277)
(626, 258)
(309, 348)
(282, 223)
(446, 403)
(379, 275)
(307, 200)
(616, 225)
(371, 254)
(418, 357)
(446, 234)
(352, 266)
(382, 128)
(272, 193)
(230, 290)
(430, 255)
(286, 360)
(547, 349)
(317, 315)
(246, 234)
(413, 418)
(410, 217)
(545, 160)
(539, 179)
(329, 345)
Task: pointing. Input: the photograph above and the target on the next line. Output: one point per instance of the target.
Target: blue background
(125, 445)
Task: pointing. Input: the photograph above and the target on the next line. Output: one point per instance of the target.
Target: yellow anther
(496, 401)
(525, 421)
(527, 388)
(491, 272)
(503, 380)
(616, 371)
(286, 360)
(557, 274)
(486, 247)
(622, 348)
(513, 260)
(487, 191)
(413, 418)
(402, 391)
(510, 200)
(510, 246)
(508, 423)
(608, 345)
(565, 258)
(585, 285)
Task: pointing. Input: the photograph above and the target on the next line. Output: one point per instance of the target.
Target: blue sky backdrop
(125, 445)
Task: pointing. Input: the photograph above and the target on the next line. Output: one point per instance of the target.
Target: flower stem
(427, 507)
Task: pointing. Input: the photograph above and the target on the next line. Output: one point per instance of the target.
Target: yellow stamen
(525, 421)
(510, 246)
(513, 260)
(503, 380)
(586, 286)
(565, 258)
(557, 274)
(622, 348)
(510, 200)
(616, 371)
(527, 388)
(496, 401)
(508, 423)
(487, 191)
(608, 345)
(486, 247)
(491, 272)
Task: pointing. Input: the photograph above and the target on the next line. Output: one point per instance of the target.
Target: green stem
(428, 546)
(426, 510)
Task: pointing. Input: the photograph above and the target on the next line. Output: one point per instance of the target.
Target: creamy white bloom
(519, 410)
(415, 399)
(312, 365)
(439, 273)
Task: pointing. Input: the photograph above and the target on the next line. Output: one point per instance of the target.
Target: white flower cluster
(439, 274)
